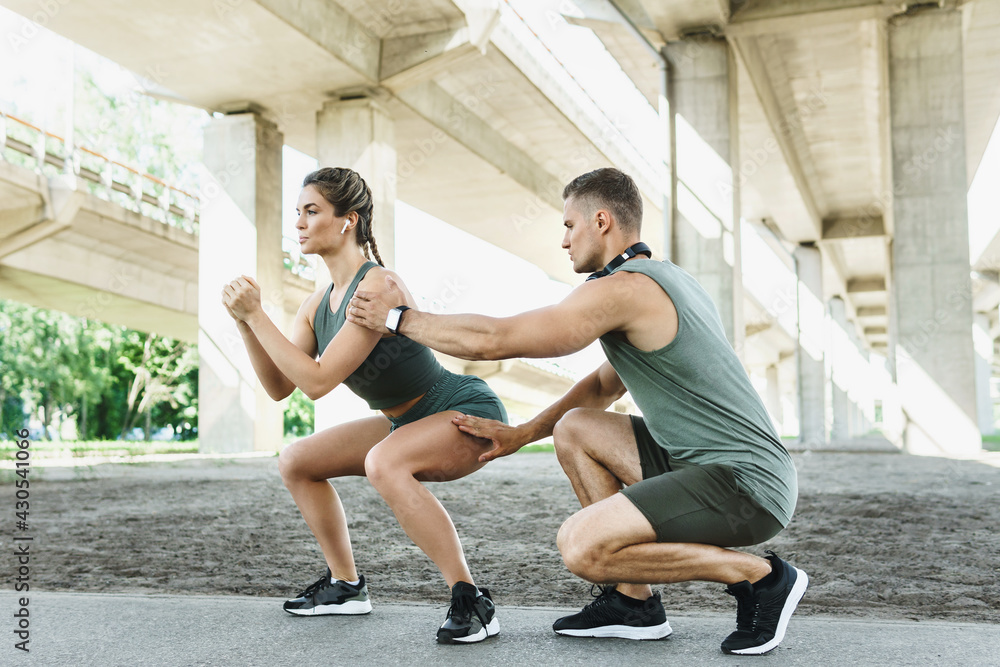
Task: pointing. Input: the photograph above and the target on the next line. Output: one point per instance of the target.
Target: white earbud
(345, 227)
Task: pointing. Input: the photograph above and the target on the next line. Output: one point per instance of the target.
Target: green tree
(299, 420)
(92, 374)
(38, 342)
(13, 365)
(159, 367)
(109, 378)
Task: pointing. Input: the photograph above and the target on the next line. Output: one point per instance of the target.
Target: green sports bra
(396, 371)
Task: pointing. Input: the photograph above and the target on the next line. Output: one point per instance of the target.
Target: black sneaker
(615, 615)
(762, 613)
(324, 598)
(471, 618)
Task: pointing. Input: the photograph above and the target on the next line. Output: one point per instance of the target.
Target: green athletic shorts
(692, 503)
(465, 393)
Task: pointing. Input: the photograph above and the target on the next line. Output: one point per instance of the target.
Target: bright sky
(984, 199)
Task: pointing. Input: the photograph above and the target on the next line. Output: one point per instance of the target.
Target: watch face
(392, 321)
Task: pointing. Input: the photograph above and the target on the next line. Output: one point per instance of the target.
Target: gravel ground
(881, 535)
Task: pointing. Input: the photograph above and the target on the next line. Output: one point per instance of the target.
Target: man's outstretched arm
(588, 312)
(598, 390)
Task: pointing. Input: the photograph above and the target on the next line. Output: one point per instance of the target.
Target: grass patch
(77, 449)
(536, 447)
(991, 443)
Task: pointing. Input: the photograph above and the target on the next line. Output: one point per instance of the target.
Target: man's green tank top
(396, 371)
(696, 397)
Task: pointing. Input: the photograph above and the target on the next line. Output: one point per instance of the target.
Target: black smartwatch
(393, 318)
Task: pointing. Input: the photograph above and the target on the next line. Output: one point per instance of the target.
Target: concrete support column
(931, 287)
(773, 398)
(840, 358)
(984, 370)
(861, 394)
(240, 232)
(811, 349)
(705, 194)
(358, 133)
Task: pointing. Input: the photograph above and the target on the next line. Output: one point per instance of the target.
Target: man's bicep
(560, 329)
(611, 383)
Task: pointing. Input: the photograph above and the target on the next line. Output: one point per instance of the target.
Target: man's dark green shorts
(691, 503)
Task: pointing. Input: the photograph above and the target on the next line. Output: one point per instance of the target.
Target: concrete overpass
(62, 247)
(860, 124)
(821, 123)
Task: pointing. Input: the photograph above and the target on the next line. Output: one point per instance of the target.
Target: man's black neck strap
(630, 252)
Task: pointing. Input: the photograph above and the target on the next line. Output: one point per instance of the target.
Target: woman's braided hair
(347, 191)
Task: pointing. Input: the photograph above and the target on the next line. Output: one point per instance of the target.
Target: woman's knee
(290, 464)
(381, 468)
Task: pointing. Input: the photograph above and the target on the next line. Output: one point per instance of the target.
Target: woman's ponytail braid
(374, 247)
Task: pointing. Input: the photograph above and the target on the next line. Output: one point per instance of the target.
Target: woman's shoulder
(312, 302)
(376, 277)
(375, 281)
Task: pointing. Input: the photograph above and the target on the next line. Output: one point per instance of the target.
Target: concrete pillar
(931, 287)
(984, 370)
(863, 384)
(240, 232)
(773, 397)
(811, 348)
(705, 195)
(840, 362)
(358, 133)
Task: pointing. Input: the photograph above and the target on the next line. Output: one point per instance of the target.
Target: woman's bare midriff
(399, 410)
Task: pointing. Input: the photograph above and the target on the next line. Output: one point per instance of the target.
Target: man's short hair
(610, 189)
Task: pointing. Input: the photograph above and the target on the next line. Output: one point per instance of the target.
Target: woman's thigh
(431, 449)
(334, 452)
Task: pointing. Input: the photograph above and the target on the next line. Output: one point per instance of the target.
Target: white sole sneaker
(491, 629)
(351, 607)
(792, 601)
(622, 631)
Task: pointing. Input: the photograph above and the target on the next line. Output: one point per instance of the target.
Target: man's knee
(583, 556)
(570, 431)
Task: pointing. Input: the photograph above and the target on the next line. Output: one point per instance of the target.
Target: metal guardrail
(170, 205)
